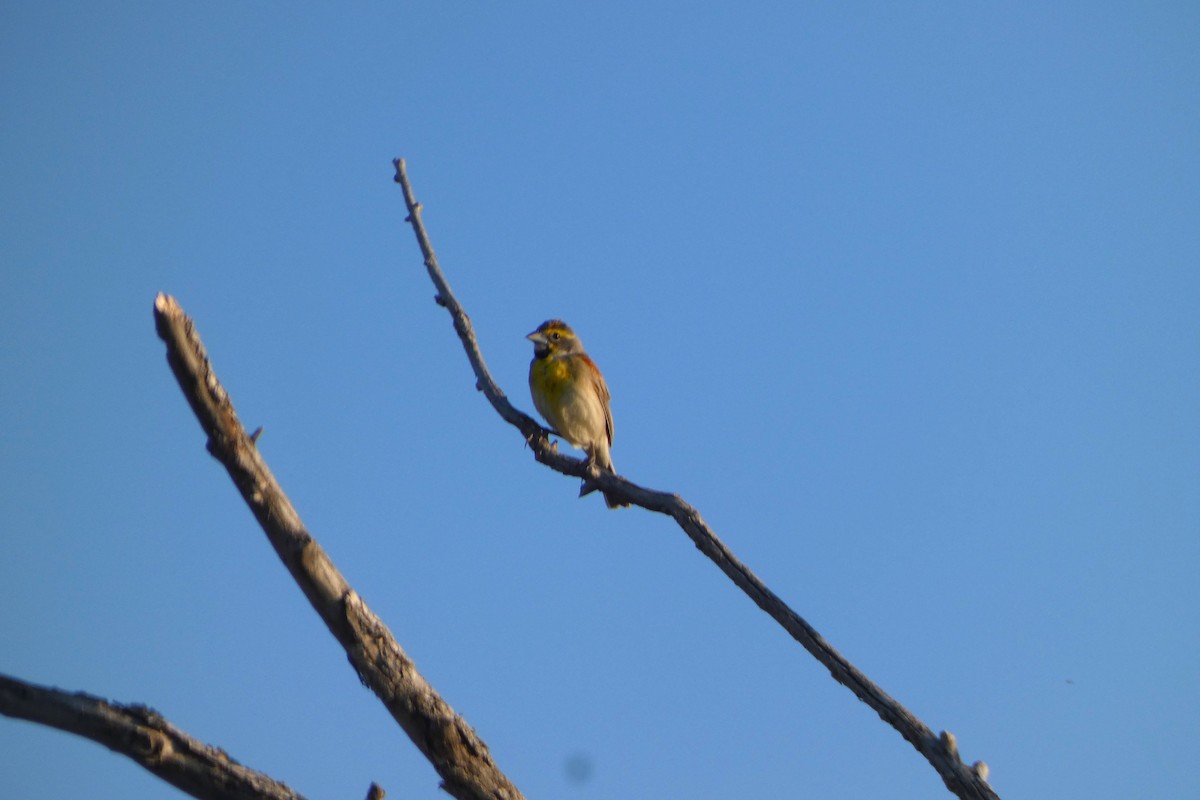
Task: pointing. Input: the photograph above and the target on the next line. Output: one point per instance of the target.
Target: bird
(570, 393)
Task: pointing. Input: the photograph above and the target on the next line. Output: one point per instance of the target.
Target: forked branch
(968, 782)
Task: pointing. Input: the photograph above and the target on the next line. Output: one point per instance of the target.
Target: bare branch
(143, 735)
(456, 752)
(960, 778)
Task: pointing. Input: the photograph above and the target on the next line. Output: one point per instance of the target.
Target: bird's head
(554, 337)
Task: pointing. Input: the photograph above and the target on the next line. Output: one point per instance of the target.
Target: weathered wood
(460, 757)
(145, 736)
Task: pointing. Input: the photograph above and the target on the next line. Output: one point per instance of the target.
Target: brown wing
(602, 392)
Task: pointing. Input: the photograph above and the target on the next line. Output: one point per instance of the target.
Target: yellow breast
(550, 376)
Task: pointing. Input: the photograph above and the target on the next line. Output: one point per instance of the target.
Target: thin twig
(452, 747)
(145, 736)
(961, 779)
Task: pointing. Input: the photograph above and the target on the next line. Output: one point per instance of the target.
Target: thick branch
(459, 756)
(145, 736)
(965, 781)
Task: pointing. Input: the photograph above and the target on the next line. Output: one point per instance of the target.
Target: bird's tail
(613, 502)
(610, 500)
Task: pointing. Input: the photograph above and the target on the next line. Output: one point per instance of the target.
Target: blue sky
(901, 296)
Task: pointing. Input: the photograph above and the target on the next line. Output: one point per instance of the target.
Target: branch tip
(954, 773)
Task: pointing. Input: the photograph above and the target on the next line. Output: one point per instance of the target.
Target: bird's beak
(537, 337)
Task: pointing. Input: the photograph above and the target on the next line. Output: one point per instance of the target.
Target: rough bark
(460, 757)
(143, 735)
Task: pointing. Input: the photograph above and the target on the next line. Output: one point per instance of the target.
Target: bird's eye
(554, 336)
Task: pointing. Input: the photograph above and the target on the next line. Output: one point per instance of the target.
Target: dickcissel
(569, 391)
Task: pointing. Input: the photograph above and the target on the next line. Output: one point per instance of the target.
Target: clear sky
(902, 296)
